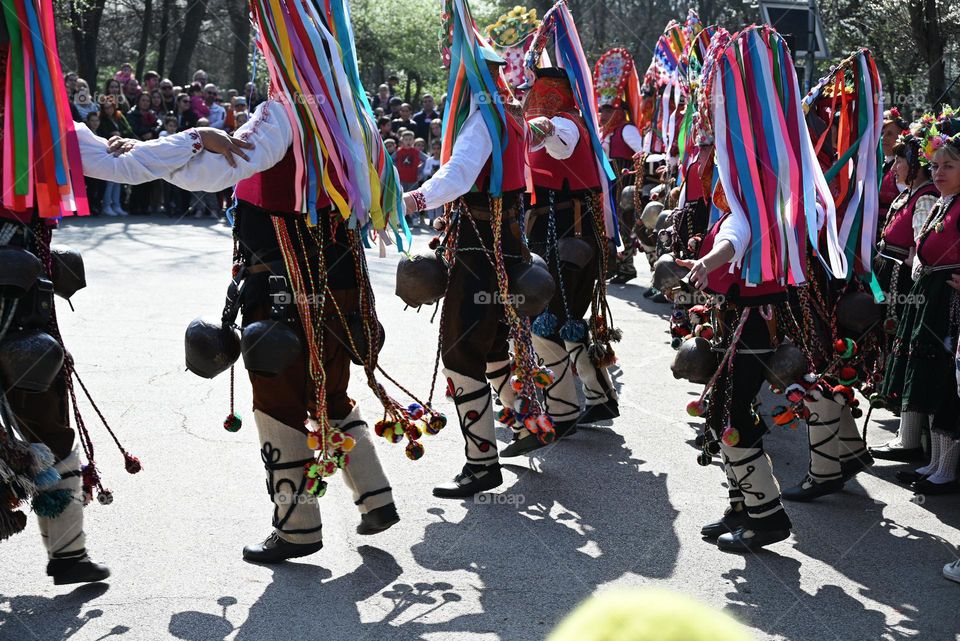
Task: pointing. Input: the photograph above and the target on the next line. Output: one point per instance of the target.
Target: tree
(928, 36)
(164, 35)
(144, 37)
(189, 36)
(239, 59)
(85, 16)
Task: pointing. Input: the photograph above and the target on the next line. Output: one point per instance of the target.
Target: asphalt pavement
(618, 505)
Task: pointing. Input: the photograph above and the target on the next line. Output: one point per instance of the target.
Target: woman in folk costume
(749, 257)
(901, 227)
(893, 125)
(617, 88)
(481, 179)
(45, 158)
(920, 372)
(839, 317)
(318, 175)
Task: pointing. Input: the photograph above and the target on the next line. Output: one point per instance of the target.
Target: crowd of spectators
(156, 107)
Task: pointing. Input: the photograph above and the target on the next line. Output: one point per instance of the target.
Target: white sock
(908, 435)
(936, 446)
(949, 456)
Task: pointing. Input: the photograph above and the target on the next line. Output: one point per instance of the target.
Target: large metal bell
(667, 273)
(651, 214)
(30, 360)
(19, 270)
(786, 366)
(421, 279)
(575, 251)
(695, 361)
(210, 347)
(626, 198)
(68, 275)
(269, 347)
(531, 287)
(857, 312)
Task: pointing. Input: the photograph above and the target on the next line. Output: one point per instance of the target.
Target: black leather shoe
(522, 445)
(621, 279)
(659, 298)
(904, 454)
(744, 540)
(651, 292)
(808, 489)
(566, 428)
(275, 549)
(852, 467)
(732, 520)
(600, 412)
(909, 477)
(80, 570)
(924, 486)
(472, 480)
(378, 520)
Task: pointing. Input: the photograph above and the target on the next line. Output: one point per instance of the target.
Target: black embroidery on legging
(503, 374)
(590, 393)
(367, 495)
(271, 460)
(472, 417)
(351, 425)
(743, 482)
(814, 448)
(572, 408)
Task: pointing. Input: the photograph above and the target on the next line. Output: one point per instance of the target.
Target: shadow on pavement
(60, 617)
(546, 543)
(301, 602)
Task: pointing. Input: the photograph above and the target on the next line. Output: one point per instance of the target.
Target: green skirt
(920, 374)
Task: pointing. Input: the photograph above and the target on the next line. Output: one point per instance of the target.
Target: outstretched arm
(269, 132)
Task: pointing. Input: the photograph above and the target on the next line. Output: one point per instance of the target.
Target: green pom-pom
(233, 422)
(52, 503)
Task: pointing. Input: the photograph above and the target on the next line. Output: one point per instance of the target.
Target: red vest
(514, 161)
(726, 283)
(899, 233)
(618, 146)
(576, 173)
(888, 189)
(275, 189)
(942, 247)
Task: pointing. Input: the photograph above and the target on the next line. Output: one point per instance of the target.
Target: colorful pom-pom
(573, 331)
(414, 450)
(52, 503)
(705, 331)
(795, 393)
(544, 325)
(316, 487)
(506, 416)
(131, 463)
(348, 443)
(233, 422)
(696, 408)
(436, 423)
(731, 436)
(416, 411)
(313, 441)
(380, 428)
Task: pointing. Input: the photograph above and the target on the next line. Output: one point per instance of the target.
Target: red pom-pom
(840, 346)
(131, 463)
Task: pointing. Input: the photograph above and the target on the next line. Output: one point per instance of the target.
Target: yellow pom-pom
(348, 443)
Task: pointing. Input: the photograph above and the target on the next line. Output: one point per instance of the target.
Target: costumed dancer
(566, 223)
(481, 181)
(920, 373)
(620, 102)
(838, 313)
(323, 174)
(749, 257)
(45, 158)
